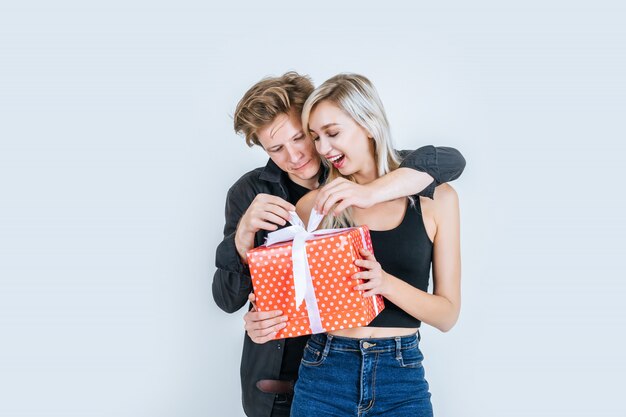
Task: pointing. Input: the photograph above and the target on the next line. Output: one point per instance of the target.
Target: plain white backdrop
(117, 149)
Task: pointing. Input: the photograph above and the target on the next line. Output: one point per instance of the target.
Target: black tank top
(405, 252)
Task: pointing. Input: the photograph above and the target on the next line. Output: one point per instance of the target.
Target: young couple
(337, 136)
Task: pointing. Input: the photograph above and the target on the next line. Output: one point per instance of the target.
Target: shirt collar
(271, 172)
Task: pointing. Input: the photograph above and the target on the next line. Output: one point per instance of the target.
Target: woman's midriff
(374, 332)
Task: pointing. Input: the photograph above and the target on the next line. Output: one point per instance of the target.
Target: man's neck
(311, 183)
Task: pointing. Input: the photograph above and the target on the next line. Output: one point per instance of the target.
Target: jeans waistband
(387, 344)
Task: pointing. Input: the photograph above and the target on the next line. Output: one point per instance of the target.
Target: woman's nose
(322, 146)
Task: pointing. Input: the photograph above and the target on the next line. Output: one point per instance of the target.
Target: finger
(267, 330)
(265, 339)
(263, 315)
(367, 254)
(269, 216)
(274, 210)
(252, 299)
(275, 328)
(367, 274)
(334, 195)
(325, 192)
(365, 286)
(261, 225)
(370, 293)
(367, 264)
(269, 323)
(277, 201)
(331, 201)
(344, 204)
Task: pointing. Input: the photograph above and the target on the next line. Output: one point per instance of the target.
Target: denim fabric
(342, 376)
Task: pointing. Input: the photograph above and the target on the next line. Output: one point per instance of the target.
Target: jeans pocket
(313, 355)
(410, 358)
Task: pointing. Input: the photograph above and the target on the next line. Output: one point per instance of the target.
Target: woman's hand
(343, 193)
(377, 279)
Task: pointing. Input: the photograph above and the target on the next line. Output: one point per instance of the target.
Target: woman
(377, 370)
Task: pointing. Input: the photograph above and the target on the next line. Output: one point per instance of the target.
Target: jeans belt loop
(329, 339)
(398, 347)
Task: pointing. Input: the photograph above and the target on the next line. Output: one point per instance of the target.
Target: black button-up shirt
(232, 282)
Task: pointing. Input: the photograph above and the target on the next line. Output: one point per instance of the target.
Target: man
(268, 115)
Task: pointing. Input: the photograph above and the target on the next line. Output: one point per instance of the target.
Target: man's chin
(307, 174)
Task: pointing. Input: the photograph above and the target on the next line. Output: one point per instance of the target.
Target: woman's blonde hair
(355, 95)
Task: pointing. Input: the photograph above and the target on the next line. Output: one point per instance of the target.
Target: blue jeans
(341, 376)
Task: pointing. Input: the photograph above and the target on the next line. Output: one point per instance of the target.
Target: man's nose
(294, 154)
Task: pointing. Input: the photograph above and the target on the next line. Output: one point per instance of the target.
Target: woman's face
(342, 141)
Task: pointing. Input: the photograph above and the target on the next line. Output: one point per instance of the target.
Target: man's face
(293, 151)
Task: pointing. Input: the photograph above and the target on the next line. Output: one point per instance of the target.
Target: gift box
(310, 280)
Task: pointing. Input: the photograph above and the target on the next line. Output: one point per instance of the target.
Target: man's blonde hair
(269, 98)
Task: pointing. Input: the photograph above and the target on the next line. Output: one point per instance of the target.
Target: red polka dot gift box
(309, 278)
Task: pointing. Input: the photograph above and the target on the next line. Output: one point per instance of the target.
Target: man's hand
(263, 326)
(344, 193)
(266, 212)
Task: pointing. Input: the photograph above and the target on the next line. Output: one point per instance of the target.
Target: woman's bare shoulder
(445, 194)
(445, 202)
(305, 205)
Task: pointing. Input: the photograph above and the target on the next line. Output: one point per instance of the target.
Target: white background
(117, 151)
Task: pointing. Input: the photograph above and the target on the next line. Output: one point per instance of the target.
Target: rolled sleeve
(231, 281)
(442, 163)
(227, 257)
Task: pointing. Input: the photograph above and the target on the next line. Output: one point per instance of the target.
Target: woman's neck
(369, 173)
